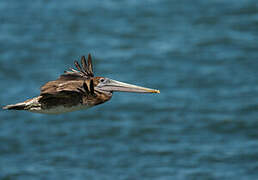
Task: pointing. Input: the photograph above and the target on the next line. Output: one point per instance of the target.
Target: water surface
(202, 55)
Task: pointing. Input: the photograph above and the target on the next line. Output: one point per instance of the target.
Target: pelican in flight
(76, 90)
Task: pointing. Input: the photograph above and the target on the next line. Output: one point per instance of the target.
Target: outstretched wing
(67, 93)
(57, 88)
(84, 72)
(70, 81)
(55, 93)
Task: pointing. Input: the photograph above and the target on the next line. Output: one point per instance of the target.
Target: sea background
(202, 55)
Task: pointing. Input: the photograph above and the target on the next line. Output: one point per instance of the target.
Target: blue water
(202, 55)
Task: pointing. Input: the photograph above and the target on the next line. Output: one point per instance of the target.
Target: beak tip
(156, 91)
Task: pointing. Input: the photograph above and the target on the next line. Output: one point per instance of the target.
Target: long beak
(113, 85)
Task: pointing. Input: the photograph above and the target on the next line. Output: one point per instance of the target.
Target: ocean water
(202, 55)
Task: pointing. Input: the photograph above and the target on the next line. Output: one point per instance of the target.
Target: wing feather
(67, 93)
(84, 65)
(71, 81)
(84, 72)
(90, 66)
(56, 87)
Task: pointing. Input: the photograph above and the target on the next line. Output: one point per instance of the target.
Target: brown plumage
(74, 90)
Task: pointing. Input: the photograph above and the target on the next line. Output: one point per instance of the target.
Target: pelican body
(76, 90)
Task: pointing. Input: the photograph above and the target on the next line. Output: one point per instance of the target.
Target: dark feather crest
(90, 66)
(84, 65)
(82, 73)
(86, 71)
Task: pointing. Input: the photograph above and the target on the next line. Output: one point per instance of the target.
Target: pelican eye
(102, 80)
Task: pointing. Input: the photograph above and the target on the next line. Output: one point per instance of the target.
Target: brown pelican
(75, 90)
